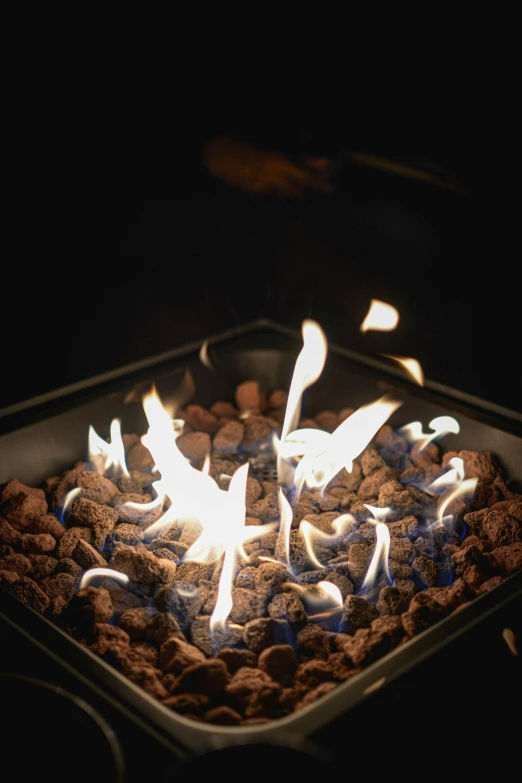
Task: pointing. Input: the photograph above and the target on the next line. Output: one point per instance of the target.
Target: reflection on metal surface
(374, 686)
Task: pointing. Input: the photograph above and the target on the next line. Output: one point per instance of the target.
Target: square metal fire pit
(42, 437)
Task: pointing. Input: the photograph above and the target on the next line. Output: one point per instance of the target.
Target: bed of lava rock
(272, 659)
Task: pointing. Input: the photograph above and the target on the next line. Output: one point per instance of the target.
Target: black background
(120, 245)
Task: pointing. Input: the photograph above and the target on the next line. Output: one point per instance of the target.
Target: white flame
(203, 356)
(308, 367)
(68, 501)
(233, 526)
(321, 601)
(381, 317)
(93, 573)
(301, 441)
(382, 549)
(410, 365)
(454, 476)
(332, 591)
(197, 499)
(189, 490)
(105, 455)
(311, 533)
(317, 468)
(467, 486)
(285, 525)
(442, 425)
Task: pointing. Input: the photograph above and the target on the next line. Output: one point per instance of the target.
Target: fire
(108, 458)
(319, 465)
(305, 457)
(410, 365)
(382, 549)
(204, 357)
(197, 500)
(285, 524)
(308, 367)
(381, 317)
(441, 425)
(312, 533)
(464, 488)
(67, 502)
(454, 479)
(323, 602)
(94, 573)
(231, 530)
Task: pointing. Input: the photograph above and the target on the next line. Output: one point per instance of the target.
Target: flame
(317, 468)
(441, 425)
(465, 487)
(311, 532)
(333, 593)
(197, 499)
(308, 367)
(324, 598)
(312, 457)
(105, 456)
(380, 316)
(92, 573)
(68, 500)
(382, 549)
(410, 365)
(300, 441)
(285, 525)
(180, 481)
(322, 601)
(232, 530)
(511, 640)
(203, 355)
(454, 476)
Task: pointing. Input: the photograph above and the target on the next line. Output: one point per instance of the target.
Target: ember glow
(380, 317)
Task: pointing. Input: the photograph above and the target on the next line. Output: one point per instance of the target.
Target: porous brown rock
(96, 487)
(228, 438)
(21, 505)
(276, 651)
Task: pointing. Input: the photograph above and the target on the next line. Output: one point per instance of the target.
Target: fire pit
(291, 544)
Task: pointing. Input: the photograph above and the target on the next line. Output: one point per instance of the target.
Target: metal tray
(44, 436)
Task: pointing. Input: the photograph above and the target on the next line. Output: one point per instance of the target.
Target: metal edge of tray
(197, 737)
(307, 720)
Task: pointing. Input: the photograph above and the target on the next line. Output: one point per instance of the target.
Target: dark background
(123, 245)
